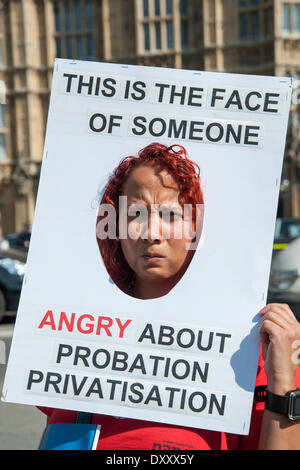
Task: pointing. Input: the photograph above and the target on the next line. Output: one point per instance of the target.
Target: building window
(69, 49)
(79, 46)
(157, 35)
(157, 25)
(254, 33)
(183, 7)
(157, 7)
(56, 16)
(58, 47)
(170, 38)
(67, 15)
(146, 37)
(248, 3)
(3, 153)
(89, 14)
(74, 29)
(268, 22)
(184, 34)
(146, 8)
(90, 47)
(249, 26)
(286, 17)
(297, 18)
(1, 55)
(2, 116)
(291, 18)
(243, 26)
(169, 7)
(78, 14)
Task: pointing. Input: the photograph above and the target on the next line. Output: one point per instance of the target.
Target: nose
(153, 232)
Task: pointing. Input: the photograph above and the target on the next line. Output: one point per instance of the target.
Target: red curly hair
(185, 172)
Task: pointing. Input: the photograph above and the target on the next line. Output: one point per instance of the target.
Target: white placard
(190, 357)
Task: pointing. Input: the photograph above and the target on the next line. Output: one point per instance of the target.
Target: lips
(152, 256)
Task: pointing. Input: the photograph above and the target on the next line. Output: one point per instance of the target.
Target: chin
(156, 275)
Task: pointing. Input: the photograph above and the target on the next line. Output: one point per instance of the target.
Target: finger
(277, 317)
(285, 308)
(269, 329)
(282, 309)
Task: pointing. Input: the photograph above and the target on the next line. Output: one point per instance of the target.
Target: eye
(175, 215)
(170, 215)
(135, 211)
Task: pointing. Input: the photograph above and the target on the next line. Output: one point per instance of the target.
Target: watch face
(294, 409)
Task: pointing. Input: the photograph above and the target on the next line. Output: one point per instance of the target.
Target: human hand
(280, 335)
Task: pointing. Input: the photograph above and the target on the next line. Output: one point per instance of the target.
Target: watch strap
(260, 393)
(277, 403)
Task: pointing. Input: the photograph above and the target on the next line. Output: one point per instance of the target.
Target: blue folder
(70, 436)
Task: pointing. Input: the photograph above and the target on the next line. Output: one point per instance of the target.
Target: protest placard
(189, 357)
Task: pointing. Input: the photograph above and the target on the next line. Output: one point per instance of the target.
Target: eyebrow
(174, 207)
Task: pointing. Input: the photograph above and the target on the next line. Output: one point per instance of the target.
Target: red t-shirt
(131, 434)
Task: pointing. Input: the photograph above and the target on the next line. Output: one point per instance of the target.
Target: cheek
(135, 229)
(182, 230)
(128, 248)
(178, 250)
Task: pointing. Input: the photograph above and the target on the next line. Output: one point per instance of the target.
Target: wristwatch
(288, 404)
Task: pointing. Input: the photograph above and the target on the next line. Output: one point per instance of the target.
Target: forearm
(279, 433)
(280, 334)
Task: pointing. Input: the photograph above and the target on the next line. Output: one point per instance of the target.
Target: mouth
(152, 257)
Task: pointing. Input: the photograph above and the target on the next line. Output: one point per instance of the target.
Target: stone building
(241, 36)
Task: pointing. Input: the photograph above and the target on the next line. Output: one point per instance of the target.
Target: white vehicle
(284, 286)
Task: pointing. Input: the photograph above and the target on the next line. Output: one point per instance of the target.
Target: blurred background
(259, 37)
